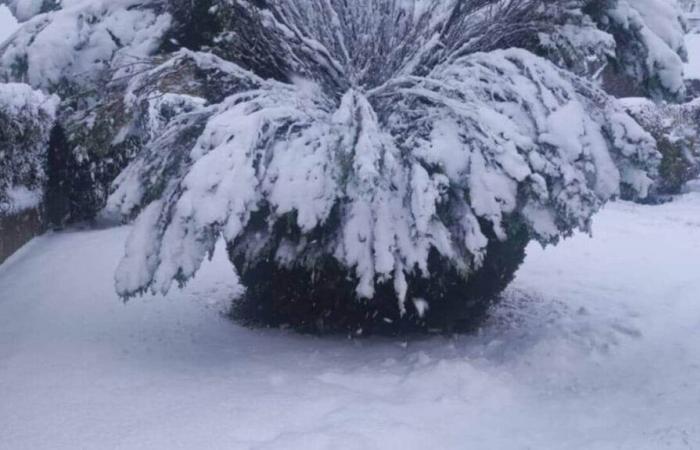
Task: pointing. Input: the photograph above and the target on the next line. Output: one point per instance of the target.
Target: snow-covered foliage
(26, 119)
(85, 51)
(379, 153)
(85, 42)
(655, 53)
(578, 42)
(676, 128)
(24, 10)
(641, 40)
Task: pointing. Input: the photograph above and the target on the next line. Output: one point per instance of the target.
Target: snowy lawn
(597, 346)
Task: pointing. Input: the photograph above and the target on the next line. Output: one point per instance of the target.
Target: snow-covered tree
(367, 162)
(26, 119)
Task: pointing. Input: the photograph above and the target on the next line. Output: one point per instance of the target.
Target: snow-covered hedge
(26, 119)
(390, 186)
(676, 128)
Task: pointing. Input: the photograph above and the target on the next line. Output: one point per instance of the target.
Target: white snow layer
(21, 198)
(8, 24)
(594, 347)
(115, 34)
(25, 9)
(20, 99)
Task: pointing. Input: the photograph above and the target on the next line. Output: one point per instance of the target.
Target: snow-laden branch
(83, 44)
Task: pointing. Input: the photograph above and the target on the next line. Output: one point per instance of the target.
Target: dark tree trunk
(59, 175)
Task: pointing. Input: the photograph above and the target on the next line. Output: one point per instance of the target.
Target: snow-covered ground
(595, 347)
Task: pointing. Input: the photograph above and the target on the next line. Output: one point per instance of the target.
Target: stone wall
(17, 229)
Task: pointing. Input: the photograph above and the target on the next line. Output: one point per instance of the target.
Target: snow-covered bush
(636, 47)
(392, 178)
(676, 129)
(26, 119)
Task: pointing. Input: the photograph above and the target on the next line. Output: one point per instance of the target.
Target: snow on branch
(81, 44)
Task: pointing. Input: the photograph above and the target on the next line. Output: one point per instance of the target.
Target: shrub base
(323, 300)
